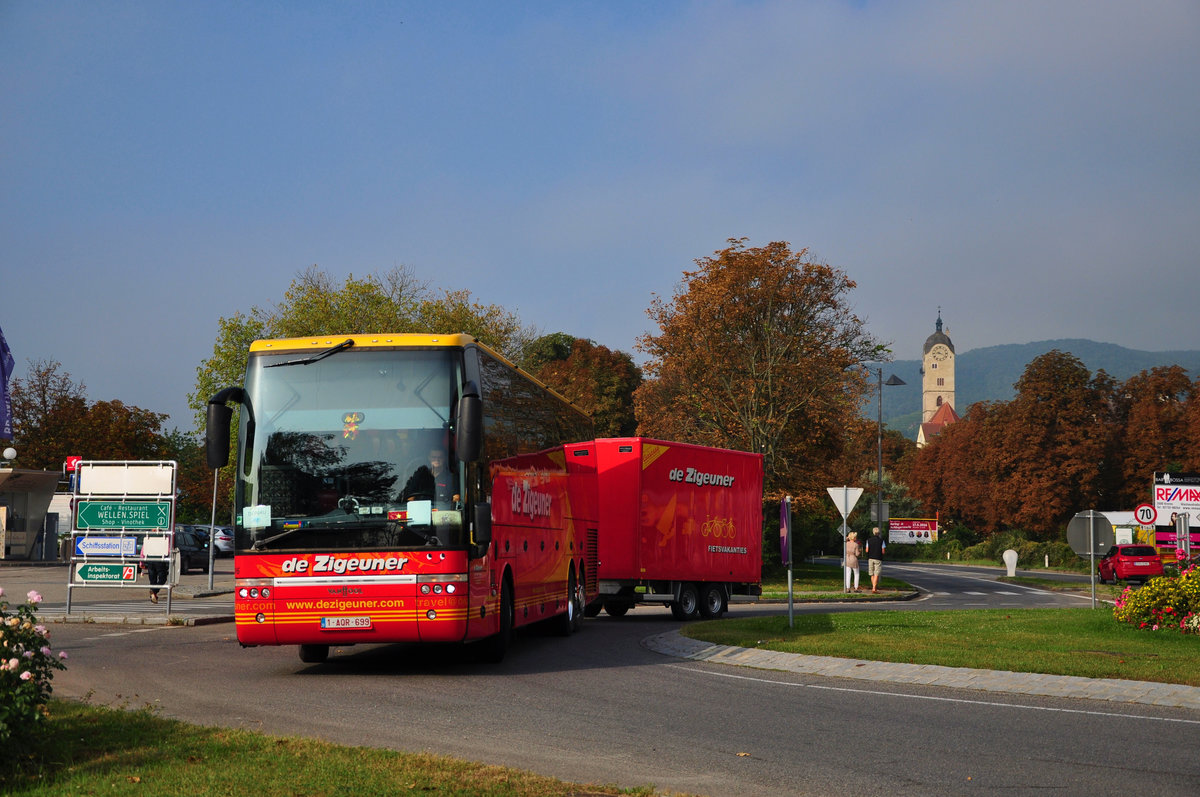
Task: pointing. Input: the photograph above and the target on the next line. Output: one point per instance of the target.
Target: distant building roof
(944, 416)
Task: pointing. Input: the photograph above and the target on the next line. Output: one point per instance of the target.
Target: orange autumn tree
(1030, 463)
(759, 351)
(597, 379)
(1153, 434)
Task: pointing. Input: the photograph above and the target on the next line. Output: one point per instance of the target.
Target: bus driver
(434, 482)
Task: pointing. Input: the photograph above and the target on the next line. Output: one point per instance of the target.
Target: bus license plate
(336, 623)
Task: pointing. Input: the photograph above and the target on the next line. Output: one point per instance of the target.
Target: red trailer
(680, 525)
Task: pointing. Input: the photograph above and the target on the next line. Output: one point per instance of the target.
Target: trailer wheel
(615, 609)
(688, 605)
(712, 601)
(314, 654)
(593, 609)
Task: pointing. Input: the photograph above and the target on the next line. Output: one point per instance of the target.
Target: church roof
(944, 416)
(937, 337)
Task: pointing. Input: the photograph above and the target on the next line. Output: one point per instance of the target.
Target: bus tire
(688, 605)
(593, 609)
(493, 648)
(712, 601)
(577, 617)
(568, 622)
(314, 654)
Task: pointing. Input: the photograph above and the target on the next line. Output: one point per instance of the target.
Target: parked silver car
(222, 538)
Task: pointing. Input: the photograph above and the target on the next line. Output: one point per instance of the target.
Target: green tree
(758, 351)
(547, 348)
(314, 304)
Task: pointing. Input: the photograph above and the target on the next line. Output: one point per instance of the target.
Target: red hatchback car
(1130, 563)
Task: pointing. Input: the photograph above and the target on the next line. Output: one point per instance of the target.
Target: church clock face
(939, 352)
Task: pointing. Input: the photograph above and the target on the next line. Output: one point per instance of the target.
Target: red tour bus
(403, 488)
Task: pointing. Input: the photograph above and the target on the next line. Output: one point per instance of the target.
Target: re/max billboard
(1177, 493)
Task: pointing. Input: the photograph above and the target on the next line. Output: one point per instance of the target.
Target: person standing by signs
(853, 550)
(156, 571)
(875, 550)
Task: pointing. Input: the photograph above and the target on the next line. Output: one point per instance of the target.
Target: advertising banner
(6, 369)
(912, 531)
(1176, 494)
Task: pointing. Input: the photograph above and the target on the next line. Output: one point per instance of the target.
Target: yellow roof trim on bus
(459, 339)
(360, 341)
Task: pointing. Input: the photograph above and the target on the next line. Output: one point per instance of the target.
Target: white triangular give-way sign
(844, 498)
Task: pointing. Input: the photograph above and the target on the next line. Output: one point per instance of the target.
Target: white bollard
(1010, 561)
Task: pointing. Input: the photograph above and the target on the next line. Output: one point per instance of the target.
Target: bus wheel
(494, 647)
(314, 654)
(568, 621)
(615, 609)
(712, 601)
(577, 617)
(592, 609)
(688, 605)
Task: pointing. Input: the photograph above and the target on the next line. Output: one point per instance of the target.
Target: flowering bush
(1166, 603)
(26, 666)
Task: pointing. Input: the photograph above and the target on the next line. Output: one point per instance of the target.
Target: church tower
(937, 373)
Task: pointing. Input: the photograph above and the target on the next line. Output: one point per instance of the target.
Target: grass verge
(1083, 642)
(822, 583)
(94, 750)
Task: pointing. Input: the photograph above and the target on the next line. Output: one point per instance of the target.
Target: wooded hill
(989, 373)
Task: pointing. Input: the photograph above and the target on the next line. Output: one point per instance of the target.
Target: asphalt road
(600, 707)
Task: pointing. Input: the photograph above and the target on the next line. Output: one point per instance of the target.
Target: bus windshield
(350, 451)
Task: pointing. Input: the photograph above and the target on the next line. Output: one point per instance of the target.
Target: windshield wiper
(345, 344)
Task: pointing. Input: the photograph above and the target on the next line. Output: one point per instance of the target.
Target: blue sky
(1033, 168)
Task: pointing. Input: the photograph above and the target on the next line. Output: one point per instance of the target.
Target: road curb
(675, 644)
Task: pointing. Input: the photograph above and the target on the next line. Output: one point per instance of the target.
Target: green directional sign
(122, 515)
(106, 572)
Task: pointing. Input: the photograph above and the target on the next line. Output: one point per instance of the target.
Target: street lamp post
(892, 380)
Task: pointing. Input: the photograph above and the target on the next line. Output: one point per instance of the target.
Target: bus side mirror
(469, 424)
(216, 431)
(483, 524)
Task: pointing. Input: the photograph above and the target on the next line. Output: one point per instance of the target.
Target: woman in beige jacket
(853, 550)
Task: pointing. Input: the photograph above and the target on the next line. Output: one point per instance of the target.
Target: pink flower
(62, 654)
(34, 597)
(1154, 627)
(1, 592)
(25, 676)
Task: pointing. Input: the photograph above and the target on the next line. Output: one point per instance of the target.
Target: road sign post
(785, 542)
(1089, 532)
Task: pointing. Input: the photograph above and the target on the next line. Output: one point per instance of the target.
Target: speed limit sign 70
(1145, 514)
